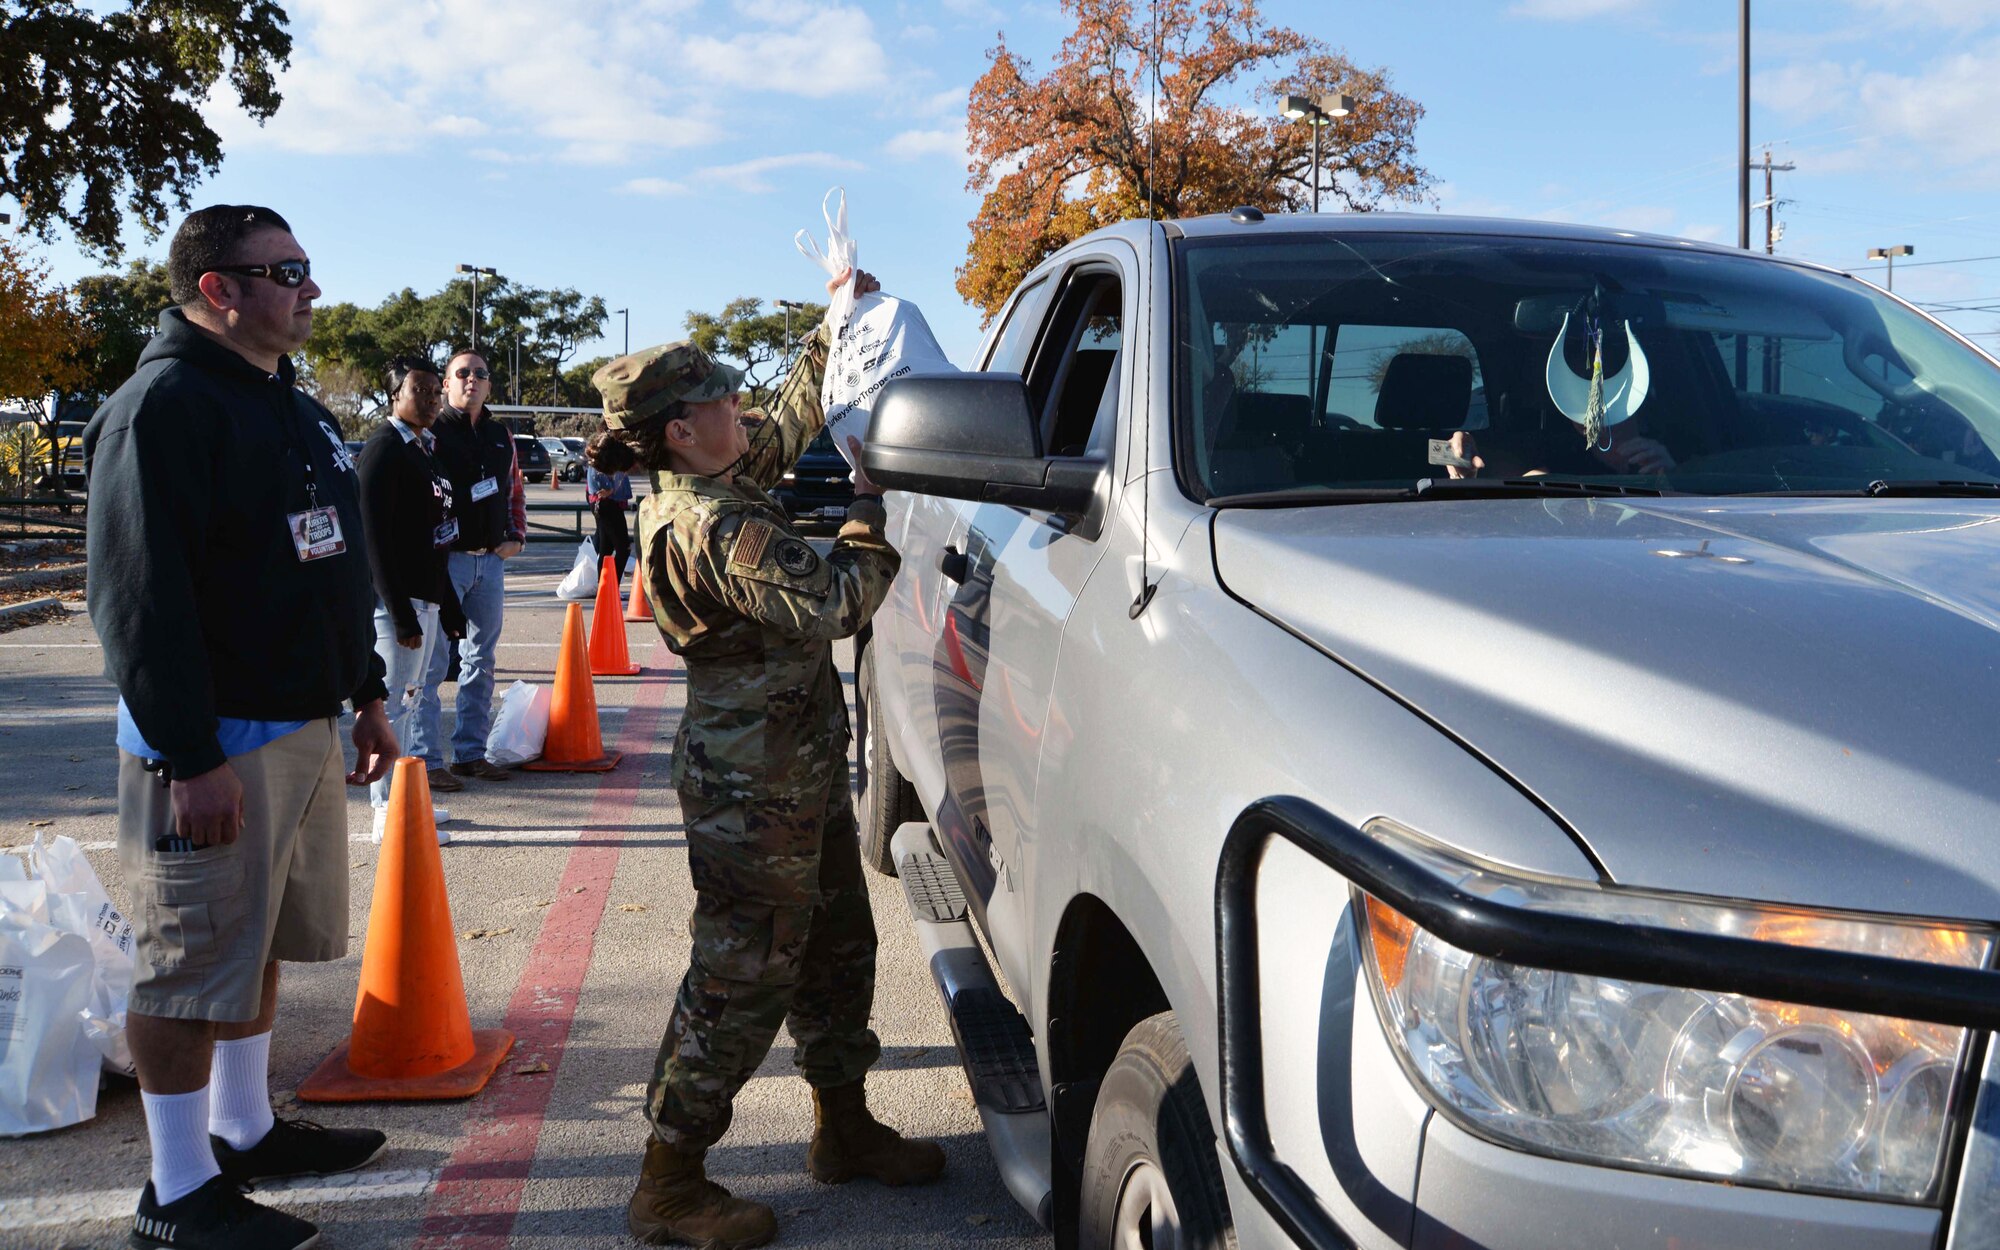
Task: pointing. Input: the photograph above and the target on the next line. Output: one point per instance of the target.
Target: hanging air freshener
(1597, 403)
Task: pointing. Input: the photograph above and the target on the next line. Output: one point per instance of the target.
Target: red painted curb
(478, 1195)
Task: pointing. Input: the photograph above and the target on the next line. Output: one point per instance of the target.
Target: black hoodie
(196, 590)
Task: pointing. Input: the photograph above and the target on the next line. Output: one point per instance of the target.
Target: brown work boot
(442, 782)
(676, 1202)
(483, 769)
(849, 1142)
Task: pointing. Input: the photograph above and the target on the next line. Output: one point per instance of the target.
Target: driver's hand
(1465, 447)
(1642, 455)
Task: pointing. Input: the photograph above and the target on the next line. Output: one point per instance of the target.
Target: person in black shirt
(489, 502)
(406, 498)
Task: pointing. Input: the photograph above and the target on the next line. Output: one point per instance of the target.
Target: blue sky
(661, 153)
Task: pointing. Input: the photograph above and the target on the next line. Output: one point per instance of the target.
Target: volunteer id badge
(316, 533)
(485, 488)
(445, 535)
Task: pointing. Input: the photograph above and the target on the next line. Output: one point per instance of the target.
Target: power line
(1912, 264)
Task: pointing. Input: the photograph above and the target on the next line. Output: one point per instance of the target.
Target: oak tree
(1088, 143)
(40, 334)
(761, 342)
(101, 115)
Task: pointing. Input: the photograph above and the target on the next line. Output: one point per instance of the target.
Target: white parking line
(57, 1210)
(459, 837)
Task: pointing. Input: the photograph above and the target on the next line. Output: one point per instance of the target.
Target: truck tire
(1150, 1174)
(883, 798)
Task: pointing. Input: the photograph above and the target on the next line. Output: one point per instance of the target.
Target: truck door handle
(953, 564)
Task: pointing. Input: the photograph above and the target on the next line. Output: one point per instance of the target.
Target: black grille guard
(1583, 945)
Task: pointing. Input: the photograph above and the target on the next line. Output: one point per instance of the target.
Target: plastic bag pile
(65, 975)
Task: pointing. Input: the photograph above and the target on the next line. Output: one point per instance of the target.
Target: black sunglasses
(462, 373)
(286, 273)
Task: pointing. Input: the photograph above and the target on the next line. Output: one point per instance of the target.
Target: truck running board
(994, 1042)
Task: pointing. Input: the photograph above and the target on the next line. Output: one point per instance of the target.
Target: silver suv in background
(1456, 733)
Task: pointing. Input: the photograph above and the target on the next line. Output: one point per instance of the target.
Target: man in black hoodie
(230, 589)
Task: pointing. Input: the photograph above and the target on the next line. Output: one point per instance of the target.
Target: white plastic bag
(838, 256)
(521, 727)
(79, 904)
(884, 339)
(48, 1070)
(582, 580)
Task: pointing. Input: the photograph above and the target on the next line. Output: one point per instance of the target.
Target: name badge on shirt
(445, 535)
(485, 488)
(316, 533)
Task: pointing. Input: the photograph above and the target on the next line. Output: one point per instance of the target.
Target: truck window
(1074, 378)
(1009, 353)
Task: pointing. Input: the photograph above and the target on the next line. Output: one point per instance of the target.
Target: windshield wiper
(1942, 488)
(1431, 488)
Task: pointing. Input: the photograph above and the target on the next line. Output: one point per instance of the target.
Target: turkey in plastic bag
(79, 904)
(48, 1070)
(875, 338)
(521, 727)
(581, 583)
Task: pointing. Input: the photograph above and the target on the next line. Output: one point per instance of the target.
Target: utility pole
(1770, 204)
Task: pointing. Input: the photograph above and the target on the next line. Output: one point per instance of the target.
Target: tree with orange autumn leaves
(43, 345)
(1081, 146)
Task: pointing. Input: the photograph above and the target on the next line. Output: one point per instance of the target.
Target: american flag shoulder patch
(752, 541)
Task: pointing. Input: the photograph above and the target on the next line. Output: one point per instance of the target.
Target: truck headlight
(1660, 1078)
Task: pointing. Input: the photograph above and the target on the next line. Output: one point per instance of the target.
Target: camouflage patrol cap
(640, 386)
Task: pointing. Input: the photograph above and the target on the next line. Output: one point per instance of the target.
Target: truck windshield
(1362, 365)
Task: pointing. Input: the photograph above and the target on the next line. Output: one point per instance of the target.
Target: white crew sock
(177, 1127)
(239, 1075)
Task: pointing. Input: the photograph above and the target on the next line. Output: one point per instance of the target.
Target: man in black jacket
(490, 503)
(229, 589)
(406, 507)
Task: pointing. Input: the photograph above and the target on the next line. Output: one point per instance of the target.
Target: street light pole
(788, 305)
(1890, 254)
(627, 314)
(1318, 114)
(1743, 125)
(475, 271)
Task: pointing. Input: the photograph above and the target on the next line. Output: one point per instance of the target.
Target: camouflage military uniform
(781, 928)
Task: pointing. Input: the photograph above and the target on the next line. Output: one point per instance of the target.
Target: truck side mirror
(972, 436)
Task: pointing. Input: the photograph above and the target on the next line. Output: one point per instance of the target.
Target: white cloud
(1950, 14)
(612, 81)
(748, 177)
(652, 186)
(1937, 118)
(913, 145)
(1571, 10)
(806, 50)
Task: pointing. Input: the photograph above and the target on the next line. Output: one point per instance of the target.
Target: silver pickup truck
(1455, 733)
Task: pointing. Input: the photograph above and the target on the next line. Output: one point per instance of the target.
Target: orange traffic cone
(637, 608)
(608, 656)
(412, 1038)
(574, 744)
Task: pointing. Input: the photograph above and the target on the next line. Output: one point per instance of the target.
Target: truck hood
(1789, 700)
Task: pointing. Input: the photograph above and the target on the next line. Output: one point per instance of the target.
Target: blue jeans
(408, 672)
(480, 583)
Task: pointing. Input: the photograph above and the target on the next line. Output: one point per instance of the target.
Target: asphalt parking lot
(578, 885)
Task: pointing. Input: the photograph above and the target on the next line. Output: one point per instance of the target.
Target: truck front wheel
(1150, 1176)
(883, 798)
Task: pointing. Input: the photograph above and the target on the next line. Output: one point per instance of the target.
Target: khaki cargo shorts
(208, 920)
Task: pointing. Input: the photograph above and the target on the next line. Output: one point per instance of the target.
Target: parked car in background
(575, 446)
(565, 463)
(533, 457)
(819, 487)
(1457, 733)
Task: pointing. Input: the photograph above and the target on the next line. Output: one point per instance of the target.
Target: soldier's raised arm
(795, 416)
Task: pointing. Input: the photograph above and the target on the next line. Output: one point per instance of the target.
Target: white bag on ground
(582, 580)
(875, 338)
(521, 727)
(79, 904)
(48, 1070)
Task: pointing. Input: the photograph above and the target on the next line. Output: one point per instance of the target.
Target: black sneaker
(216, 1217)
(299, 1148)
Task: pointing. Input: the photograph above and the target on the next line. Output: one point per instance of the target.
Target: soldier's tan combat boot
(676, 1202)
(849, 1142)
